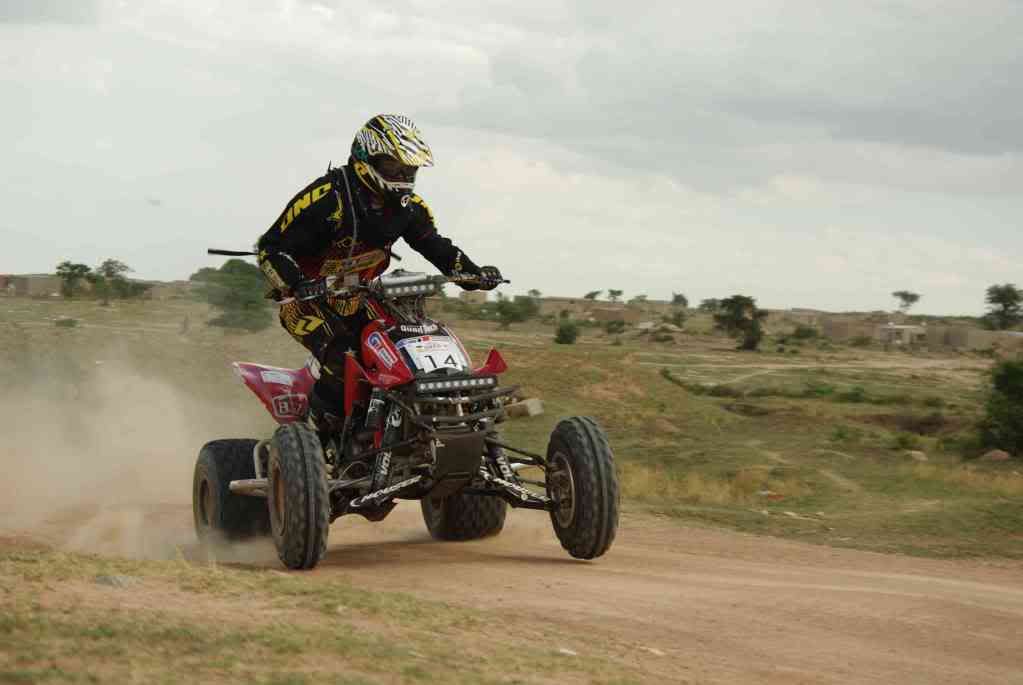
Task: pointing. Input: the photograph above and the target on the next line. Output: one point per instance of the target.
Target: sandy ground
(693, 605)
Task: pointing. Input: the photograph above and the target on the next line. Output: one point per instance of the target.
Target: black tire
(218, 513)
(578, 450)
(297, 494)
(464, 517)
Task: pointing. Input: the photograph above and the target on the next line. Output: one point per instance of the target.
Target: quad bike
(419, 423)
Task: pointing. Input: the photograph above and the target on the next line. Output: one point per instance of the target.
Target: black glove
(310, 289)
(490, 277)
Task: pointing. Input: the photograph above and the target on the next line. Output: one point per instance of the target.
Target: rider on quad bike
(342, 225)
(397, 409)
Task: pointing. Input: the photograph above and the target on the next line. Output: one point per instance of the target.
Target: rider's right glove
(490, 277)
(310, 289)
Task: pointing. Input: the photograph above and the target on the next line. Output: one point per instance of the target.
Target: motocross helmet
(386, 154)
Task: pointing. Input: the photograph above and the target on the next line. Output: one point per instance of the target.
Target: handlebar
(395, 286)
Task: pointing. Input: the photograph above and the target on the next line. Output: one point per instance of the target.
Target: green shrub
(861, 341)
(614, 327)
(905, 441)
(566, 333)
(805, 332)
(818, 389)
(1002, 425)
(855, 395)
(846, 434)
(66, 323)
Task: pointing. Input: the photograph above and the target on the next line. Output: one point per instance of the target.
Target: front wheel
(583, 487)
(298, 501)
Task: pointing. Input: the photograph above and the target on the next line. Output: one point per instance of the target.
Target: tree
(638, 299)
(1005, 306)
(108, 280)
(1002, 424)
(679, 300)
(511, 311)
(535, 294)
(592, 295)
(71, 275)
(236, 289)
(207, 273)
(710, 305)
(906, 299)
(113, 269)
(614, 295)
(739, 317)
(100, 287)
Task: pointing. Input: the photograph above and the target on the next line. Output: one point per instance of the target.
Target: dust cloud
(101, 460)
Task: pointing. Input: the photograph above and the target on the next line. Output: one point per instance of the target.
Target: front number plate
(432, 352)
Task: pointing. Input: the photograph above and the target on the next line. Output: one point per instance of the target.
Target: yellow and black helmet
(386, 153)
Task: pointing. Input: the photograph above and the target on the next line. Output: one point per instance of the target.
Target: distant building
(172, 290)
(575, 306)
(962, 337)
(898, 334)
(630, 315)
(30, 285)
(845, 330)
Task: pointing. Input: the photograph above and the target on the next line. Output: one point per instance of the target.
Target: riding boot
(326, 409)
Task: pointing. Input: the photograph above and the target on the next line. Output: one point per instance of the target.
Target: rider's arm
(304, 228)
(422, 235)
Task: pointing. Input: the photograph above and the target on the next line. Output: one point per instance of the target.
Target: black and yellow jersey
(329, 229)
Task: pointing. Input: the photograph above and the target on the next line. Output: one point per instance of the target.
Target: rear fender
(284, 392)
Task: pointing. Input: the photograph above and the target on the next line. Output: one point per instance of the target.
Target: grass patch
(59, 626)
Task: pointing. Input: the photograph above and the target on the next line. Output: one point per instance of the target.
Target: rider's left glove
(310, 289)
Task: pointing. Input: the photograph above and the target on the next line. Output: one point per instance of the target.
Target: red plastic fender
(284, 392)
(493, 366)
(384, 365)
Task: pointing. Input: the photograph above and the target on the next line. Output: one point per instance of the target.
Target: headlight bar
(479, 382)
(407, 290)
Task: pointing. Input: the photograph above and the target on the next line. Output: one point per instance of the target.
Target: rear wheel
(583, 487)
(298, 502)
(217, 512)
(464, 517)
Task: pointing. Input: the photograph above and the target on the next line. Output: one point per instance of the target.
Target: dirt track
(683, 604)
(720, 606)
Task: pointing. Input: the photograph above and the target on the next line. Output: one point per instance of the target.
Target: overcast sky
(811, 154)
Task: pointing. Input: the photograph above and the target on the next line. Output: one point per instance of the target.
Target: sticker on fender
(377, 344)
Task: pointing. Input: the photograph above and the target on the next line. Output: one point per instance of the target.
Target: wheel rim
(277, 510)
(562, 490)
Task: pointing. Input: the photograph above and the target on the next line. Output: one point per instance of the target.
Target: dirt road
(720, 606)
(683, 604)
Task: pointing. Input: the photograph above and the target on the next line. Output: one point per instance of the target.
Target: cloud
(49, 11)
(808, 153)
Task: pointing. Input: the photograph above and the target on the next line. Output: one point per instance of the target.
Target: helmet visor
(393, 170)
